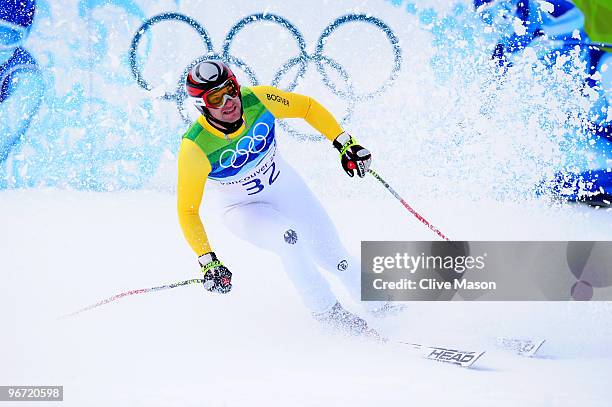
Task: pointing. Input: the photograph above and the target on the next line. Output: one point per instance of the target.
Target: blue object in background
(552, 31)
(18, 12)
(19, 74)
(521, 23)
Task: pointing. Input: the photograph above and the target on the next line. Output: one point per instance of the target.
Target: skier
(20, 81)
(263, 200)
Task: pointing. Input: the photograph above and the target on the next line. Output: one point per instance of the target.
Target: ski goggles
(216, 97)
(11, 35)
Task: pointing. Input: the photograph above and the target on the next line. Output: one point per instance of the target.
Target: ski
(446, 355)
(521, 347)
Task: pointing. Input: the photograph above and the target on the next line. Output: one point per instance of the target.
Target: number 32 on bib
(256, 185)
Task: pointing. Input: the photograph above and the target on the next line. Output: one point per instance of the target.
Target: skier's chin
(231, 115)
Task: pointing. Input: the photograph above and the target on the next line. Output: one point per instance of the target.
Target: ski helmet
(205, 76)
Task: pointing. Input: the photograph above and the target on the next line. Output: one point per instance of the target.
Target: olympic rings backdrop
(106, 111)
(91, 91)
(349, 95)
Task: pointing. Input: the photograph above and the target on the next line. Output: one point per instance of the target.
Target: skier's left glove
(217, 278)
(353, 157)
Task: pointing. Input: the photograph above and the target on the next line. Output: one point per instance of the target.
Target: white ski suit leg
(321, 236)
(292, 209)
(264, 226)
(316, 229)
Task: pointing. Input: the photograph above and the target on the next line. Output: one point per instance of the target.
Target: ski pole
(134, 292)
(403, 202)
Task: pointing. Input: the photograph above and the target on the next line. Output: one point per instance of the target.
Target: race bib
(258, 180)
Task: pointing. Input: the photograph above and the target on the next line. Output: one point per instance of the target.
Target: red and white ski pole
(403, 202)
(135, 292)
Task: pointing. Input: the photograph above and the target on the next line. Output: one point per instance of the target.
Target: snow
(546, 6)
(465, 154)
(258, 345)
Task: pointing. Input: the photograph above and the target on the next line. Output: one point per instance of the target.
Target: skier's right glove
(353, 157)
(217, 278)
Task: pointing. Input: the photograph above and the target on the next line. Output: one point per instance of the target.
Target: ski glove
(352, 155)
(217, 278)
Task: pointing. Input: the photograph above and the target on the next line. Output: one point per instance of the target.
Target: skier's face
(230, 112)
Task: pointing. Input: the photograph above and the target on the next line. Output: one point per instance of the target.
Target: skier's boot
(339, 320)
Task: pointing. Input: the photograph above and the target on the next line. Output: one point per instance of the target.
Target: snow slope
(258, 345)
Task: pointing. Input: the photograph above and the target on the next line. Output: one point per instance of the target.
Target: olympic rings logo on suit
(245, 152)
(346, 93)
